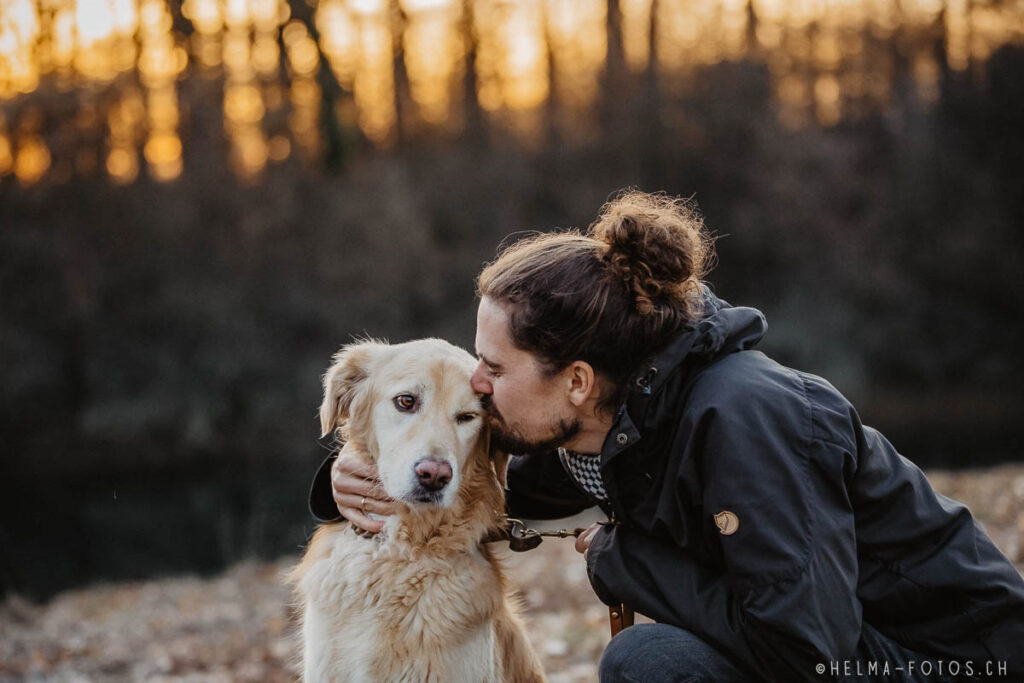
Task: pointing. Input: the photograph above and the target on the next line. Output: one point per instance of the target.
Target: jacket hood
(722, 329)
(725, 328)
(660, 381)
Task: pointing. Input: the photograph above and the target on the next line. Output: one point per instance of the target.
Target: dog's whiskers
(379, 488)
(332, 447)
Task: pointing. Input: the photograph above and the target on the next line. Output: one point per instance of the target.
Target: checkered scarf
(585, 470)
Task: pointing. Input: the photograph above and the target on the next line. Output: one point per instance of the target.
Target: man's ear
(583, 382)
(343, 381)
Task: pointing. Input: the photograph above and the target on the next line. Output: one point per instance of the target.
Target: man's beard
(508, 439)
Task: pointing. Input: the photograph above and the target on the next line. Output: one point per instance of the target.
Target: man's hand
(357, 492)
(583, 540)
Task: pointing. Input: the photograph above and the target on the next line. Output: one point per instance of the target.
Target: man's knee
(622, 655)
(649, 652)
(657, 653)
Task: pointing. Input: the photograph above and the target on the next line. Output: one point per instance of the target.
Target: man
(768, 532)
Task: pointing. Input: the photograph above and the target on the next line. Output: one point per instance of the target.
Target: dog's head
(411, 410)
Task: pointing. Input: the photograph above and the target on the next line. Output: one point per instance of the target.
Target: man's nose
(479, 381)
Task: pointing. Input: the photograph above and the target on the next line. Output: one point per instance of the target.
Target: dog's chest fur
(387, 603)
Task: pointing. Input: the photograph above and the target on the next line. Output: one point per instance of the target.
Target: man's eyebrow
(489, 363)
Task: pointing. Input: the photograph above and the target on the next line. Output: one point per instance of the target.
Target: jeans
(660, 653)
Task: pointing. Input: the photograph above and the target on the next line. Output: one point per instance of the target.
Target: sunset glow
(525, 53)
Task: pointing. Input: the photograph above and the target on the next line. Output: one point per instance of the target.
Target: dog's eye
(463, 418)
(405, 403)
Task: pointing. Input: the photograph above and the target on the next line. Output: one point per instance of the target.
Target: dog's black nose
(432, 474)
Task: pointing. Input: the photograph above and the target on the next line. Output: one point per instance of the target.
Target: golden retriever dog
(424, 600)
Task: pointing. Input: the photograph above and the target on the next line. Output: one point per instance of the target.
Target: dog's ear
(342, 382)
(498, 458)
(500, 461)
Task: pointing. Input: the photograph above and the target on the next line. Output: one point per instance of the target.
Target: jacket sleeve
(780, 597)
(539, 488)
(321, 499)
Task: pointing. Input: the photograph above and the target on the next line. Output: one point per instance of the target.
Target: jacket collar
(722, 329)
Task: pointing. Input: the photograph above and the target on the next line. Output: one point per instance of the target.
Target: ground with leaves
(240, 626)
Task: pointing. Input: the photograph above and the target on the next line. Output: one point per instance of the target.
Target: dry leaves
(240, 626)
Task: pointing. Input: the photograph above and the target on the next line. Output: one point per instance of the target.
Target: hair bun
(656, 245)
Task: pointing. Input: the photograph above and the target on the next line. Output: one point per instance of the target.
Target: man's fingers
(358, 486)
(583, 540)
(362, 521)
(346, 483)
(357, 491)
(347, 463)
(356, 508)
(357, 468)
(364, 504)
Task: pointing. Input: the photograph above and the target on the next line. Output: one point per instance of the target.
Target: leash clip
(521, 538)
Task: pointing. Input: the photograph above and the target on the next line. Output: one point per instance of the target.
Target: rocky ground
(240, 627)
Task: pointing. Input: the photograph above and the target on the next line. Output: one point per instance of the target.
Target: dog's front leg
(316, 645)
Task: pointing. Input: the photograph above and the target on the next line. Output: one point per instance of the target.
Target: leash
(521, 538)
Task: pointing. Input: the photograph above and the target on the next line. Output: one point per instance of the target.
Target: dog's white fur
(424, 600)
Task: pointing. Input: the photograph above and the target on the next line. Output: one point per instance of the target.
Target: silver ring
(362, 506)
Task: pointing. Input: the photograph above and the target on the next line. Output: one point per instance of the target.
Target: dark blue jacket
(830, 526)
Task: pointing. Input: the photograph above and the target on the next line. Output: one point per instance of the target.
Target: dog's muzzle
(432, 476)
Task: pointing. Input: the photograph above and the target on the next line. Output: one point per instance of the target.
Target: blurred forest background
(201, 201)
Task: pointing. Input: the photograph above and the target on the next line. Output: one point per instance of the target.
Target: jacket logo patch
(727, 522)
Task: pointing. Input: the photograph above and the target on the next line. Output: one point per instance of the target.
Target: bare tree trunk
(553, 111)
(652, 134)
(403, 98)
(472, 117)
(613, 90)
(751, 46)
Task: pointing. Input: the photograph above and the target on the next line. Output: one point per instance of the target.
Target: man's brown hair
(611, 296)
